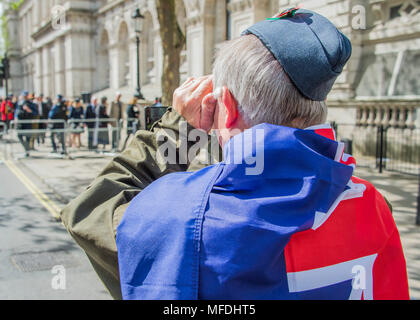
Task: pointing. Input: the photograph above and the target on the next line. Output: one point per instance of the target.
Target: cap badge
(290, 13)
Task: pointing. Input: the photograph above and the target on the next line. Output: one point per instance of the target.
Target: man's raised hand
(195, 102)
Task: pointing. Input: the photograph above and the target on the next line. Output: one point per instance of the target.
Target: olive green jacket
(93, 217)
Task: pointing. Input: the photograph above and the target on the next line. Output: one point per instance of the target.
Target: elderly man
(281, 217)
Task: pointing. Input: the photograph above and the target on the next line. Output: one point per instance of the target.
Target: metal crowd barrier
(93, 127)
(65, 126)
(36, 127)
(16, 126)
(96, 122)
(135, 125)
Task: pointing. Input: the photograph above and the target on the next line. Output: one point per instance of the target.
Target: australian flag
(282, 217)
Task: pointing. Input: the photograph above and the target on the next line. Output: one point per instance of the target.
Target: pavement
(401, 190)
(64, 179)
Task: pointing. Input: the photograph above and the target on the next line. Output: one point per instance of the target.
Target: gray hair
(262, 88)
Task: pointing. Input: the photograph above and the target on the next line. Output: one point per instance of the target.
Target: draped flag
(280, 218)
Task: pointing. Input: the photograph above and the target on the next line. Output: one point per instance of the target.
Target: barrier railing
(21, 127)
(97, 130)
(94, 121)
(385, 148)
(133, 125)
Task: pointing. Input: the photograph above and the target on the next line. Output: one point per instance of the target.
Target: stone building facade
(93, 49)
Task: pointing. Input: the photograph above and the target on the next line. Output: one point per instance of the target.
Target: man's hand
(195, 102)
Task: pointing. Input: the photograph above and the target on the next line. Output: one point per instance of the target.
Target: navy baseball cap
(311, 50)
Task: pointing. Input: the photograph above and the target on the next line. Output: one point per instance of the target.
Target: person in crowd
(35, 119)
(76, 114)
(3, 129)
(7, 110)
(90, 115)
(68, 104)
(157, 103)
(49, 103)
(43, 111)
(116, 112)
(281, 217)
(132, 113)
(26, 112)
(101, 125)
(58, 112)
(15, 101)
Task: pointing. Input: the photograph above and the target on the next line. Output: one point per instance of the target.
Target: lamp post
(138, 23)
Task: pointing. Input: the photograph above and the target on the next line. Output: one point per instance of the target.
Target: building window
(395, 12)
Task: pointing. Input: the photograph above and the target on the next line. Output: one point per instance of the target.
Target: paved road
(32, 242)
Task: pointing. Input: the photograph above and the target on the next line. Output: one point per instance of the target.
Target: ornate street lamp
(138, 26)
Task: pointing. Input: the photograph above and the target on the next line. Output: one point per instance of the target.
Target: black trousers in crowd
(25, 141)
(61, 139)
(91, 135)
(115, 141)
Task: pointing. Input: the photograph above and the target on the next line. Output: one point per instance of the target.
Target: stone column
(114, 66)
(38, 72)
(144, 78)
(78, 71)
(209, 42)
(158, 58)
(45, 72)
(195, 49)
(132, 47)
(59, 56)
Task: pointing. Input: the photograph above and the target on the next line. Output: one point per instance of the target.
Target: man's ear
(231, 106)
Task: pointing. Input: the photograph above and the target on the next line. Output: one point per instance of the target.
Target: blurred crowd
(38, 115)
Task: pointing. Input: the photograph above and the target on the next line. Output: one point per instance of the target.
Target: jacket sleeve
(390, 281)
(52, 113)
(92, 218)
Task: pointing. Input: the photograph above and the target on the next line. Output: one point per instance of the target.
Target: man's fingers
(187, 83)
(208, 108)
(188, 98)
(193, 83)
(189, 80)
(204, 87)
